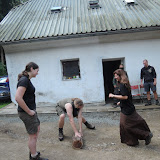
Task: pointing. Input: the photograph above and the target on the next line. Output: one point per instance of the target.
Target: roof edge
(134, 30)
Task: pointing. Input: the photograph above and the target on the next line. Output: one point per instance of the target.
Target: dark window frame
(65, 71)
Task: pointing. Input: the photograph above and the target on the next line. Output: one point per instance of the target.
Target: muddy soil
(100, 144)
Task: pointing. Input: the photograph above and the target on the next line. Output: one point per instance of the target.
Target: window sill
(71, 79)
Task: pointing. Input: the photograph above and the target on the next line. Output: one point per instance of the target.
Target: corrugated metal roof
(34, 20)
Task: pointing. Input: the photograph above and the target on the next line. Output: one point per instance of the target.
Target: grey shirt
(63, 102)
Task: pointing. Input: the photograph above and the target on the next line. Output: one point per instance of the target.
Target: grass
(3, 104)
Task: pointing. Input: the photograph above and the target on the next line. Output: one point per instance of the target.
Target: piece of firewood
(77, 142)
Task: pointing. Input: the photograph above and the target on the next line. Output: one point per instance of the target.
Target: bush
(3, 70)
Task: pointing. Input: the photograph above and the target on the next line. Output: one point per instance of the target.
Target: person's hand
(77, 134)
(31, 112)
(111, 95)
(81, 133)
(154, 83)
(142, 85)
(118, 103)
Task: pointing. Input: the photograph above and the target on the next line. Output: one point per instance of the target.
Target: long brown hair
(28, 69)
(123, 78)
(78, 101)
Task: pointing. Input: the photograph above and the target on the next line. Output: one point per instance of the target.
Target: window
(71, 69)
(130, 2)
(56, 9)
(94, 4)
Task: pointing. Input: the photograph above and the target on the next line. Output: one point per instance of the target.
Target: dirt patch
(102, 143)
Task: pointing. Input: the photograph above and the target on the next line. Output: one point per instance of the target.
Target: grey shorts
(149, 86)
(31, 122)
(60, 110)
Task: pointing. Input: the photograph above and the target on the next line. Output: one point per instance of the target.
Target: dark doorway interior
(108, 68)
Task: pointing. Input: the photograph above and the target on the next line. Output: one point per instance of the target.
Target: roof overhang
(112, 32)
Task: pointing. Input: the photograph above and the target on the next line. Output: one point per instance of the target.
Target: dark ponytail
(28, 69)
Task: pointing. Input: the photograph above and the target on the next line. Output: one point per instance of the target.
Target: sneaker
(89, 126)
(61, 136)
(38, 158)
(157, 103)
(148, 139)
(30, 154)
(148, 103)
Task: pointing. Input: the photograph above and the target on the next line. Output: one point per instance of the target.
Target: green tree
(3, 69)
(7, 5)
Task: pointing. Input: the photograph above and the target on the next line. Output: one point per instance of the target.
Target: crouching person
(73, 108)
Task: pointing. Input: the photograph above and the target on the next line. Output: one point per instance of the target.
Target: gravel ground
(102, 143)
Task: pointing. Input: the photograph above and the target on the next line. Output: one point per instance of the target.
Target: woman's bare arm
(118, 96)
(69, 110)
(80, 120)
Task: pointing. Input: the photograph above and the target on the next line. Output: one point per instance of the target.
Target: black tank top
(75, 110)
(68, 100)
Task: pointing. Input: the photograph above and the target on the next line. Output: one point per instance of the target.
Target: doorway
(109, 66)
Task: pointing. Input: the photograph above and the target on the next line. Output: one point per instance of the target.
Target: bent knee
(62, 116)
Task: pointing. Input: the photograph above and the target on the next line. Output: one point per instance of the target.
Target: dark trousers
(116, 92)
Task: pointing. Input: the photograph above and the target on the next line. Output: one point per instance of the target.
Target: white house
(78, 45)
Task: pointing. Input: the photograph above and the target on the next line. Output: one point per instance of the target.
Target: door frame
(122, 59)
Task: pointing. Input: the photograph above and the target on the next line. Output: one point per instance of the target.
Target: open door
(109, 66)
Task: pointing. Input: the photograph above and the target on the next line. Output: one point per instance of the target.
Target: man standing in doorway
(148, 73)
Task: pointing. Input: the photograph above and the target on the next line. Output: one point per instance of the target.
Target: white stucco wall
(49, 84)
